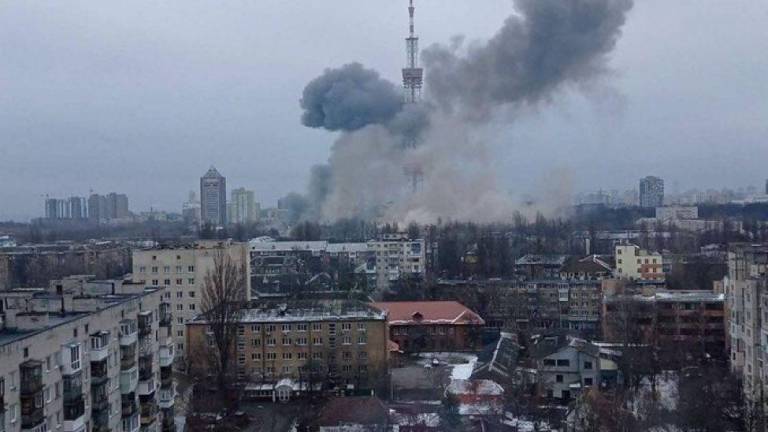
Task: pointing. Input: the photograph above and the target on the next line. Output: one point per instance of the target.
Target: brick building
(333, 343)
(432, 325)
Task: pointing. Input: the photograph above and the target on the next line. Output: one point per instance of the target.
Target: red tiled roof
(428, 312)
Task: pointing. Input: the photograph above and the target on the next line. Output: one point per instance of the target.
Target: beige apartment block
(85, 355)
(182, 270)
(333, 343)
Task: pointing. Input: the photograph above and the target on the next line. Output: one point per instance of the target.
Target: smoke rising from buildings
(544, 46)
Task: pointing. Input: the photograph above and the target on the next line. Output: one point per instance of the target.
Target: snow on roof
(429, 312)
(320, 311)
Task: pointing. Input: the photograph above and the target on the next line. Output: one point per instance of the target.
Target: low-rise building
(690, 320)
(635, 263)
(91, 357)
(432, 325)
(336, 344)
(566, 366)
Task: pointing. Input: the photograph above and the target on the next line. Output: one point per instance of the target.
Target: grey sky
(140, 97)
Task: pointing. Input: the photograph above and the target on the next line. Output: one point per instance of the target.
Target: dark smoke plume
(349, 98)
(549, 43)
(545, 46)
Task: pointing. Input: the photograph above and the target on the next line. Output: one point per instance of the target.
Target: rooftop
(428, 312)
(332, 310)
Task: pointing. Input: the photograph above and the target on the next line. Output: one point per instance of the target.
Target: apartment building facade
(333, 343)
(85, 359)
(746, 291)
(635, 263)
(398, 257)
(182, 271)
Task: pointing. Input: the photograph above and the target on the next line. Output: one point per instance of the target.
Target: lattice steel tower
(413, 75)
(413, 78)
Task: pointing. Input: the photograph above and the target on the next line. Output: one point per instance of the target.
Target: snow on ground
(461, 364)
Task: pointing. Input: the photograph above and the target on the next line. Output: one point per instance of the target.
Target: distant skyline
(142, 97)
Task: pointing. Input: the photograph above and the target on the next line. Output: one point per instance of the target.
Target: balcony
(128, 332)
(145, 323)
(31, 416)
(129, 380)
(76, 425)
(167, 351)
(131, 423)
(128, 406)
(166, 377)
(31, 377)
(99, 373)
(167, 397)
(147, 386)
(166, 317)
(100, 421)
(148, 413)
(99, 346)
(100, 399)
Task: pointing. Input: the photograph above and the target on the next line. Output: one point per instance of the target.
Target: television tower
(413, 78)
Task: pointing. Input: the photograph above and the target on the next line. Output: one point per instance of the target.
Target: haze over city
(142, 98)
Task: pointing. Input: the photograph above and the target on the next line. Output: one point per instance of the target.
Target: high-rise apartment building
(86, 356)
(398, 257)
(182, 270)
(108, 207)
(651, 192)
(243, 207)
(68, 208)
(213, 198)
(746, 294)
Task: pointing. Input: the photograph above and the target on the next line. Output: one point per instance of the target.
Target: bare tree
(224, 296)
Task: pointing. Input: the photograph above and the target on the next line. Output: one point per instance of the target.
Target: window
(271, 328)
(180, 320)
(587, 365)
(191, 294)
(558, 378)
(301, 341)
(166, 269)
(317, 356)
(191, 306)
(549, 362)
(362, 339)
(361, 326)
(179, 294)
(317, 340)
(286, 328)
(255, 328)
(317, 326)
(180, 333)
(587, 381)
(142, 269)
(179, 307)
(179, 281)
(302, 355)
(191, 281)
(154, 269)
(74, 355)
(179, 269)
(271, 356)
(563, 362)
(287, 356)
(346, 326)
(286, 341)
(301, 327)
(347, 340)
(191, 269)
(271, 341)
(166, 282)
(256, 342)
(255, 356)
